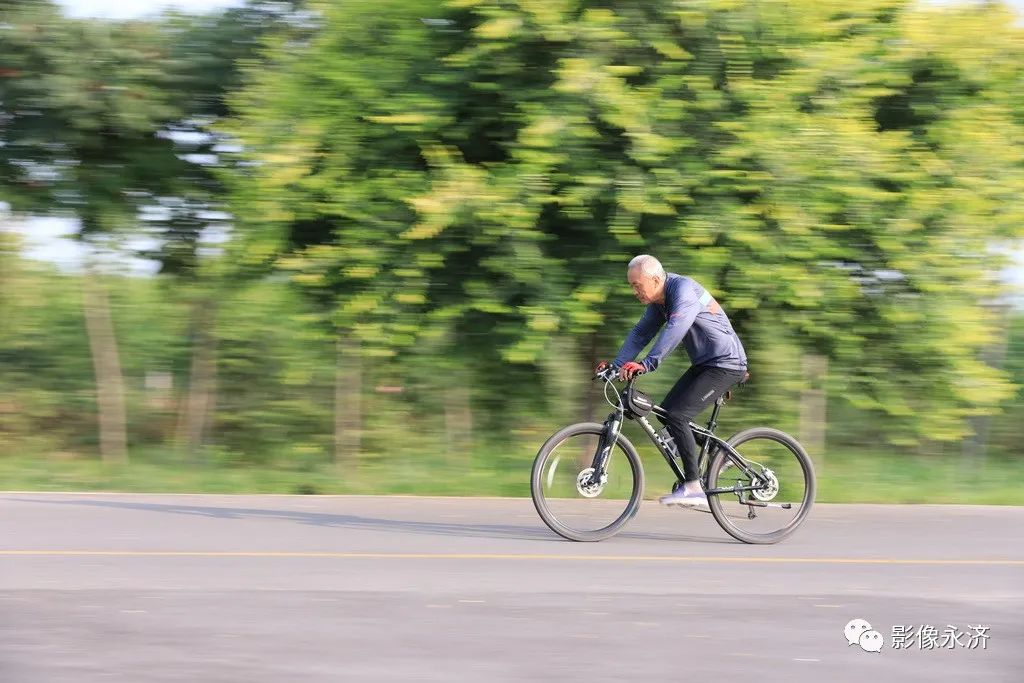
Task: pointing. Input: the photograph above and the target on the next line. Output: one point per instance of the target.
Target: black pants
(696, 390)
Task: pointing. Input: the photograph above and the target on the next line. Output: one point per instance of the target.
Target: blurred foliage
(450, 191)
(835, 173)
(82, 103)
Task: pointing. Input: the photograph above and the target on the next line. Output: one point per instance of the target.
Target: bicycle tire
(807, 467)
(540, 501)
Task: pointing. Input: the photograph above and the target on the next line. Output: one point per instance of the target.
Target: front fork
(612, 428)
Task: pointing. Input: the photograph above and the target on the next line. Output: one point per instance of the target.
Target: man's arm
(641, 335)
(680, 319)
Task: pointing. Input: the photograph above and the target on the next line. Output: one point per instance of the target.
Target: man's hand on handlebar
(631, 370)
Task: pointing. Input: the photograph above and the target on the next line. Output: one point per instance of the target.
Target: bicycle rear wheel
(781, 498)
(569, 501)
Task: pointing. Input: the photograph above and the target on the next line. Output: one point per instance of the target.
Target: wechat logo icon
(859, 632)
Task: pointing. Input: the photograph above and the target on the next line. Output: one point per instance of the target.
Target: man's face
(645, 287)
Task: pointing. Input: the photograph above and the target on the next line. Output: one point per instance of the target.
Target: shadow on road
(528, 533)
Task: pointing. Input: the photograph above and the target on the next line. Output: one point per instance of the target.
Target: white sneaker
(681, 497)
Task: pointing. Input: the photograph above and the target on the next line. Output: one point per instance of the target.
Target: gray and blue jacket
(694, 318)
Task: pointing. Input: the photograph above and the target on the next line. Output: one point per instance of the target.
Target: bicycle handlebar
(611, 374)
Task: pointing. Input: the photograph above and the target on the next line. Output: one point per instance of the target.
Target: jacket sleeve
(641, 335)
(681, 315)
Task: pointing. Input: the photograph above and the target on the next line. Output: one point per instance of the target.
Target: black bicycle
(588, 481)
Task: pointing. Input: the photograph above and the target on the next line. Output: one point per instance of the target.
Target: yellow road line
(499, 556)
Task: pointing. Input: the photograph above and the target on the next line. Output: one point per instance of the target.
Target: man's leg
(695, 391)
(681, 395)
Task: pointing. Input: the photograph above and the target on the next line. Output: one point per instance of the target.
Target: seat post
(713, 422)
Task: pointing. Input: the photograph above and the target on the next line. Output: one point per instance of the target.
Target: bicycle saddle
(746, 378)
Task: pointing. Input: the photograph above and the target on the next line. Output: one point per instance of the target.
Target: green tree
(836, 173)
(110, 123)
(84, 103)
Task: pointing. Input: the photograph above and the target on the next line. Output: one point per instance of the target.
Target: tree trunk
(974, 449)
(107, 366)
(458, 421)
(198, 405)
(591, 389)
(812, 407)
(590, 398)
(348, 419)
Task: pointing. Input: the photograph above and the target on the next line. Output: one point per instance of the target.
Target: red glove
(631, 370)
(601, 366)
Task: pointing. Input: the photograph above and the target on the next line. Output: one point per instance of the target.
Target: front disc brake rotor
(587, 487)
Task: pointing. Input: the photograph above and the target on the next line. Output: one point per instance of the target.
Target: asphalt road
(254, 589)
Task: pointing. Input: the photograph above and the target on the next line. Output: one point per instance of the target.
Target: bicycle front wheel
(769, 507)
(570, 499)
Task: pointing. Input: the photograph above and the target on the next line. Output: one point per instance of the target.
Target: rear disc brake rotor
(771, 488)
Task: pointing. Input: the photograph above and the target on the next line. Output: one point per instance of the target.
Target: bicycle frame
(613, 426)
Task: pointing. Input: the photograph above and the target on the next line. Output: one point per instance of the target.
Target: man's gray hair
(648, 265)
